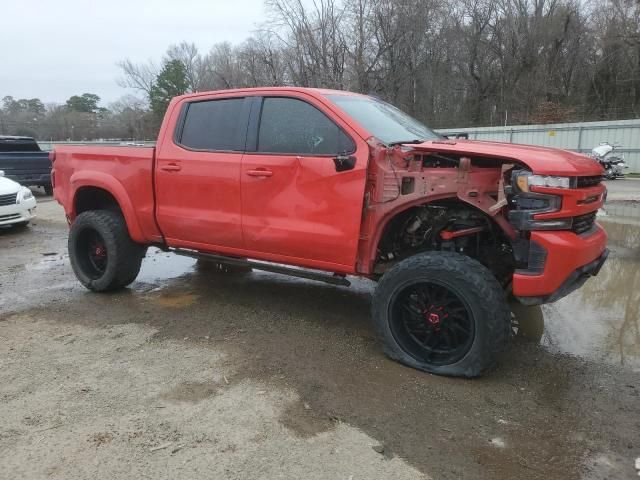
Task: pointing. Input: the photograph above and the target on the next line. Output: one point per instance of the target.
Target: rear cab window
(213, 125)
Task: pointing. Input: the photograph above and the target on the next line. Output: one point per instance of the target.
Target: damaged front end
(420, 200)
(440, 196)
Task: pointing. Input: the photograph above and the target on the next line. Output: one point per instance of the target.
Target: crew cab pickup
(324, 184)
(22, 161)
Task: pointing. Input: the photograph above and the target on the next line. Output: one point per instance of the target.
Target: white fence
(579, 137)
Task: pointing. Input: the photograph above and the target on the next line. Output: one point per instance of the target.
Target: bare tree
(139, 76)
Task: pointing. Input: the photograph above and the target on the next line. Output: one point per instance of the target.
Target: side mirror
(344, 162)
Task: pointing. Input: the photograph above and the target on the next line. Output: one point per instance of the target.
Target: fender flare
(111, 185)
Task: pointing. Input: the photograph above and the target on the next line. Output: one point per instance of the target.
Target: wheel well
(419, 229)
(95, 198)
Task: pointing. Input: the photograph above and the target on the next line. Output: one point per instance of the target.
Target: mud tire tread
(125, 256)
(481, 290)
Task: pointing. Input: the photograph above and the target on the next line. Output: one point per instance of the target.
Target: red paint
(298, 210)
(447, 235)
(566, 252)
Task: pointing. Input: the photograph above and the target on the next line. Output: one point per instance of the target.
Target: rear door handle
(171, 167)
(260, 173)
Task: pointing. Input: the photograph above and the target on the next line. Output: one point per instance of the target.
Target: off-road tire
(471, 282)
(123, 258)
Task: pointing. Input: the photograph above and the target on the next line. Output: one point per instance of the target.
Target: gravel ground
(193, 374)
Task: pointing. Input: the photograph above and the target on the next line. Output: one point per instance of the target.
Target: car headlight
(26, 193)
(526, 180)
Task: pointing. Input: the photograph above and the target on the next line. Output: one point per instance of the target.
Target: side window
(214, 125)
(288, 125)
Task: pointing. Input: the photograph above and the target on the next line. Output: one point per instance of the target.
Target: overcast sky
(52, 49)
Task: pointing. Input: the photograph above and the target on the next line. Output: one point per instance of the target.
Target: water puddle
(601, 321)
(49, 260)
(158, 267)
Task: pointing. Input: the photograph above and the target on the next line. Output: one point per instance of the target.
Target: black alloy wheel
(93, 254)
(432, 323)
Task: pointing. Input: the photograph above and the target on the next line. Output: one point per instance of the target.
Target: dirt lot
(192, 374)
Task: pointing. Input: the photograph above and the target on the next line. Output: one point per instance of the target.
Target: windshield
(382, 120)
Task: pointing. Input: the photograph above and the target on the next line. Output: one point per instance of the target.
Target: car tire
(48, 189)
(103, 255)
(442, 313)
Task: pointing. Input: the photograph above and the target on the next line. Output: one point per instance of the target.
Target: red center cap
(434, 318)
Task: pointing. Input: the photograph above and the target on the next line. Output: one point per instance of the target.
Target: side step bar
(266, 266)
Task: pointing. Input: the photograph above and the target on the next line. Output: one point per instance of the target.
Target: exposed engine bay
(462, 207)
(448, 226)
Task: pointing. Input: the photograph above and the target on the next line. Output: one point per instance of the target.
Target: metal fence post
(580, 138)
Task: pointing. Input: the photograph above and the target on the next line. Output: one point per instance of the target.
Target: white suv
(17, 203)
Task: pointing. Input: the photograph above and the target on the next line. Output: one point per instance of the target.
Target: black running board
(266, 266)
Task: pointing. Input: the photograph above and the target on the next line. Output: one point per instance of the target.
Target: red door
(302, 197)
(198, 176)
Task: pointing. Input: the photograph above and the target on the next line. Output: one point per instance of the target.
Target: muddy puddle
(601, 321)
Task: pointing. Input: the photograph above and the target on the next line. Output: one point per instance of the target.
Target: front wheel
(102, 254)
(442, 313)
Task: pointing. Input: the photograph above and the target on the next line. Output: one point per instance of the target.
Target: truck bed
(126, 172)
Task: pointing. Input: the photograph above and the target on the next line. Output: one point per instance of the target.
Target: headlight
(26, 193)
(526, 180)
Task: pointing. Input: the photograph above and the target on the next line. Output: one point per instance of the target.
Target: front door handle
(171, 167)
(260, 173)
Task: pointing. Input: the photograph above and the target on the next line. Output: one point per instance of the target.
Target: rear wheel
(443, 313)
(48, 189)
(102, 254)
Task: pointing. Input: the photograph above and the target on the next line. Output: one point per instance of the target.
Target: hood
(8, 186)
(541, 160)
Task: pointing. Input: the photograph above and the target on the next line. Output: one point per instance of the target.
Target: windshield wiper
(400, 142)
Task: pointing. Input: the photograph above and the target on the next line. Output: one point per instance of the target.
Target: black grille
(585, 182)
(583, 223)
(10, 199)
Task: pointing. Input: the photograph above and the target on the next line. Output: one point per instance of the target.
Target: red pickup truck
(323, 184)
